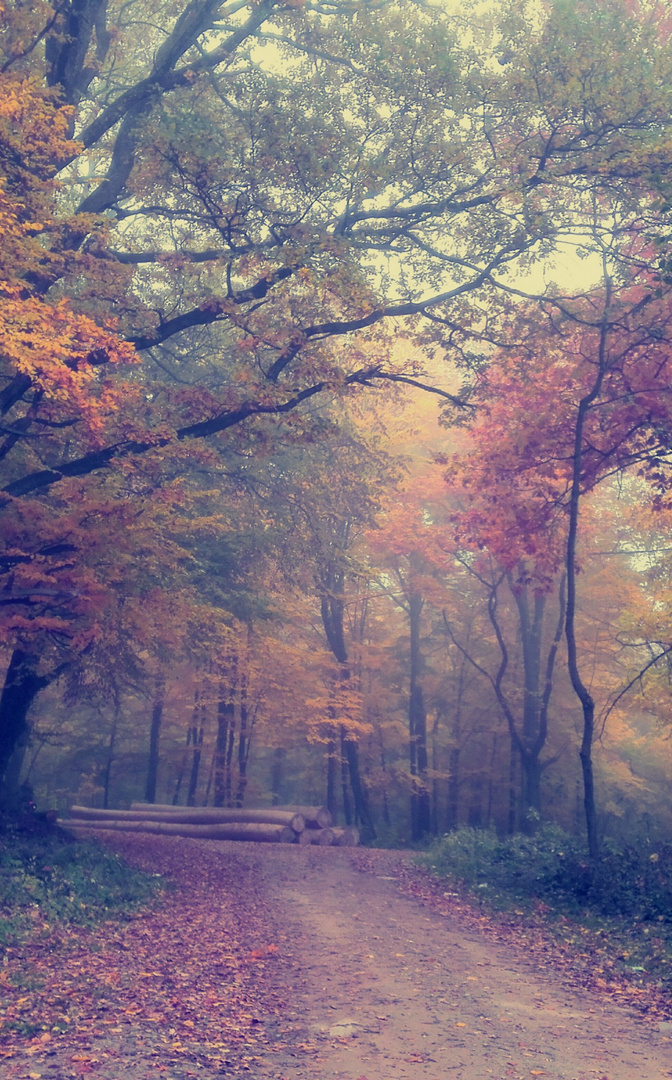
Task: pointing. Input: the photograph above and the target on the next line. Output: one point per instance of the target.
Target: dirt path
(394, 991)
(288, 963)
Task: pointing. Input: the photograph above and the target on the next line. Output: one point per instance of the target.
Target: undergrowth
(623, 899)
(46, 878)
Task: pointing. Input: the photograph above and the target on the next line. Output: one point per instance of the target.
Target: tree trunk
(243, 741)
(226, 719)
(345, 791)
(435, 771)
(454, 778)
(331, 774)
(529, 744)
(107, 775)
(183, 766)
(21, 687)
(154, 740)
(197, 731)
(277, 772)
(332, 611)
(513, 761)
(580, 689)
(417, 725)
(383, 766)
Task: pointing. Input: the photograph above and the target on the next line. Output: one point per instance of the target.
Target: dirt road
(392, 991)
(288, 963)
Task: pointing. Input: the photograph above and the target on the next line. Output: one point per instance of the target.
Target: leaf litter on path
(179, 987)
(308, 964)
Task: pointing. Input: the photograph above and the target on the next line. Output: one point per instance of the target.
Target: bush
(553, 867)
(47, 877)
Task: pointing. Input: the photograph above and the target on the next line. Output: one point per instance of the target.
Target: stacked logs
(281, 825)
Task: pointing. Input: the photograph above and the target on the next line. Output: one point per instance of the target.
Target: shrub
(553, 867)
(48, 877)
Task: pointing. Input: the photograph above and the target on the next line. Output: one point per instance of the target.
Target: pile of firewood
(280, 825)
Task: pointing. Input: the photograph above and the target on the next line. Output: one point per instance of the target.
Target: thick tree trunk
(21, 687)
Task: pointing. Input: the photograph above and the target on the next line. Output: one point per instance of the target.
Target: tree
(590, 398)
(251, 184)
(407, 547)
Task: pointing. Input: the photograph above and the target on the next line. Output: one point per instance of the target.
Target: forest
(336, 395)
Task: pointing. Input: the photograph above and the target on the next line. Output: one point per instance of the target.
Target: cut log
(254, 831)
(316, 817)
(320, 837)
(197, 815)
(347, 837)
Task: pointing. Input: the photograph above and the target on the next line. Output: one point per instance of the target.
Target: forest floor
(294, 963)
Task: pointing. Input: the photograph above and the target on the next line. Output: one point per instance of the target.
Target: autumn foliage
(235, 248)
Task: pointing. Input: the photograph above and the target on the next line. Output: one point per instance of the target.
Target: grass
(46, 878)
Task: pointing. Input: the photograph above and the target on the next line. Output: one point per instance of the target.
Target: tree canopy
(235, 240)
